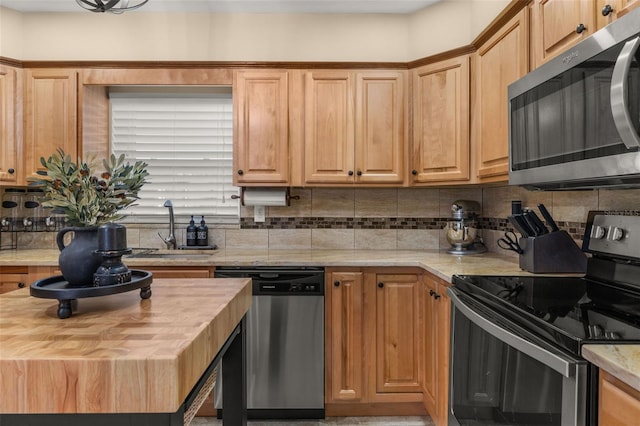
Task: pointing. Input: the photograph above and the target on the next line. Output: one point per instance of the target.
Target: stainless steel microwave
(574, 121)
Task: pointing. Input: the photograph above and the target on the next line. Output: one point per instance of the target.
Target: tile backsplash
(380, 218)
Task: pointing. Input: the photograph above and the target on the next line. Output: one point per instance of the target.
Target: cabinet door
(380, 127)
(608, 11)
(443, 352)
(497, 63)
(329, 127)
(50, 115)
(436, 314)
(398, 349)
(559, 24)
(430, 324)
(441, 122)
(619, 403)
(9, 167)
(261, 127)
(10, 282)
(344, 331)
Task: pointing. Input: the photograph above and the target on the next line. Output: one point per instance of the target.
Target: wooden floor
(329, 421)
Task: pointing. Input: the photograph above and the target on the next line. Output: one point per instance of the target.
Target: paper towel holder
(288, 196)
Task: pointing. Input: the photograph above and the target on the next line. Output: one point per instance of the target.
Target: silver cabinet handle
(561, 364)
(619, 101)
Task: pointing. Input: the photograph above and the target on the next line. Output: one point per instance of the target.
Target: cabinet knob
(431, 293)
(380, 284)
(414, 172)
(580, 28)
(11, 171)
(436, 296)
(21, 285)
(350, 173)
(336, 283)
(359, 172)
(240, 172)
(606, 10)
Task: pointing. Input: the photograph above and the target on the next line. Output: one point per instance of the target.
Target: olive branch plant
(84, 198)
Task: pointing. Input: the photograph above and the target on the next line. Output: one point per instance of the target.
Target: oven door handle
(563, 365)
(619, 98)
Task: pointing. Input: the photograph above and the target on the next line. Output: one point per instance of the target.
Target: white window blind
(187, 140)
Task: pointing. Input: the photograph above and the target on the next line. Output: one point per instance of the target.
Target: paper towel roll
(265, 197)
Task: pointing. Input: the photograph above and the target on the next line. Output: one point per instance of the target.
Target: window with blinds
(186, 139)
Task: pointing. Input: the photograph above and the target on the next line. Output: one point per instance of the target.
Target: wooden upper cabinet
(608, 11)
(344, 334)
(559, 24)
(380, 127)
(440, 151)
(329, 138)
(50, 115)
(9, 167)
(498, 62)
(354, 127)
(261, 136)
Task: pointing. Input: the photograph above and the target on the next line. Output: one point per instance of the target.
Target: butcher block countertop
(117, 353)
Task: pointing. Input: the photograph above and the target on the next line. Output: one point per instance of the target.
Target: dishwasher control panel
(266, 288)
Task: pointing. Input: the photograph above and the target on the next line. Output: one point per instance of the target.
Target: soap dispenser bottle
(203, 234)
(192, 233)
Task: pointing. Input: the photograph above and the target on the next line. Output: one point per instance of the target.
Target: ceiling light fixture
(113, 6)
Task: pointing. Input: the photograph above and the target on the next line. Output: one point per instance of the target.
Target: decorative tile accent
(344, 223)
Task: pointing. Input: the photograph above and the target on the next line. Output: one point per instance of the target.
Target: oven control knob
(597, 232)
(611, 335)
(615, 233)
(595, 331)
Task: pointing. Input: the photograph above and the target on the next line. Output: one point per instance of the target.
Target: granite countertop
(439, 263)
(621, 361)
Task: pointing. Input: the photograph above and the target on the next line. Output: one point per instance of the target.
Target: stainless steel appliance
(574, 121)
(285, 342)
(516, 340)
(462, 229)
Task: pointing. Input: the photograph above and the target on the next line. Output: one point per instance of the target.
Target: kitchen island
(121, 359)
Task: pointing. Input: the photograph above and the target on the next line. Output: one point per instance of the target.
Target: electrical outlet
(258, 213)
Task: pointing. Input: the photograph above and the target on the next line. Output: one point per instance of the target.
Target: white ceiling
(230, 6)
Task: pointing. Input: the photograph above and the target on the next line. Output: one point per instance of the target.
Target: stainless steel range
(516, 340)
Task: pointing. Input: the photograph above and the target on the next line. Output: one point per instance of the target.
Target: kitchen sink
(162, 254)
(169, 256)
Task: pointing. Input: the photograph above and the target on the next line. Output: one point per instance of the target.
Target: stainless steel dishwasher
(285, 342)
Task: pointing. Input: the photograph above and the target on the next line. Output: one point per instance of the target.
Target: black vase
(79, 260)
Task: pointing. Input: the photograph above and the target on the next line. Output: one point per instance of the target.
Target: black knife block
(555, 252)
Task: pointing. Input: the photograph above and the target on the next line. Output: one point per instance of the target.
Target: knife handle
(520, 225)
(535, 223)
(547, 216)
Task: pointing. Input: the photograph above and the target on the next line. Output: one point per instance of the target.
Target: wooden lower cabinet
(373, 341)
(436, 314)
(13, 278)
(619, 403)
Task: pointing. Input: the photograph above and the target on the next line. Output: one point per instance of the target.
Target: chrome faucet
(170, 241)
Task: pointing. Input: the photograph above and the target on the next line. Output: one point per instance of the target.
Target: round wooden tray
(57, 288)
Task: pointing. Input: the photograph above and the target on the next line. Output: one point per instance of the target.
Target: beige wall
(244, 37)
(11, 42)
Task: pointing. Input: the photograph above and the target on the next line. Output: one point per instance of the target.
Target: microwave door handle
(551, 360)
(619, 101)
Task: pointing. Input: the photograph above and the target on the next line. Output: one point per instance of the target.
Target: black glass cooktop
(569, 311)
